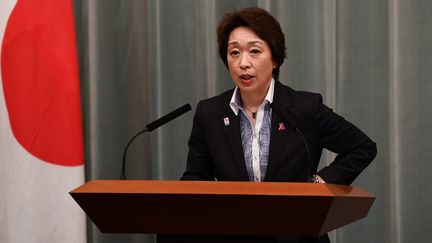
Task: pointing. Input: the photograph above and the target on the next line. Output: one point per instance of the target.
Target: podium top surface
(219, 188)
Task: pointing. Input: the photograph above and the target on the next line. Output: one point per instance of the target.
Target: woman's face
(249, 61)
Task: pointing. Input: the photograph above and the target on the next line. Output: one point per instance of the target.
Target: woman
(263, 130)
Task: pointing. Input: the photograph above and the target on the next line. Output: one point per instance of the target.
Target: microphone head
(168, 117)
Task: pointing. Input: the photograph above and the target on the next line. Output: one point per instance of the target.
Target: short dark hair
(262, 23)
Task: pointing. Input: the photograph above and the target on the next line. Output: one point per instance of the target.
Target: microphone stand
(123, 171)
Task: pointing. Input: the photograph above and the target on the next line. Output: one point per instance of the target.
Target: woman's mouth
(246, 78)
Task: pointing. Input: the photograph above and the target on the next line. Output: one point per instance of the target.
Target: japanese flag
(41, 138)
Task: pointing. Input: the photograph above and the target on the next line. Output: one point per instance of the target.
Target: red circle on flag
(40, 81)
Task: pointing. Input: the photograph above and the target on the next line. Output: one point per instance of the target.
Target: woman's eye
(234, 53)
(255, 51)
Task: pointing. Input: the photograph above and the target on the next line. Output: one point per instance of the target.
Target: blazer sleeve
(199, 165)
(355, 150)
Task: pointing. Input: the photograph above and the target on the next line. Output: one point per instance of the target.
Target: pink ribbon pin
(281, 126)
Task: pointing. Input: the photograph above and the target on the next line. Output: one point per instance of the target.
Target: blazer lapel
(232, 133)
(278, 137)
(280, 130)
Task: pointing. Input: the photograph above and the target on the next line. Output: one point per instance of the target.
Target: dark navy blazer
(216, 153)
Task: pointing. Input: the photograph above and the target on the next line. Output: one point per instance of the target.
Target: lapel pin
(281, 126)
(226, 121)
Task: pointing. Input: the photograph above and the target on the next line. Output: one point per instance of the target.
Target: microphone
(150, 127)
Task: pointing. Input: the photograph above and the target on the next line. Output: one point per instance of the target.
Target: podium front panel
(224, 208)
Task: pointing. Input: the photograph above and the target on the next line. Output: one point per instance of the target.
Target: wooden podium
(226, 208)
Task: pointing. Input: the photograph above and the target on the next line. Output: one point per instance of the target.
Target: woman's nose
(244, 61)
